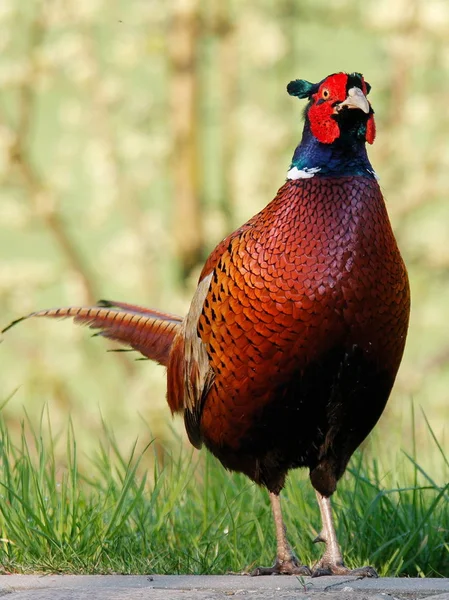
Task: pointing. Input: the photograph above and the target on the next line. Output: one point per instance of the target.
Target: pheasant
(295, 333)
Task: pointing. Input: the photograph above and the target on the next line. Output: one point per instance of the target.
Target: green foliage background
(89, 156)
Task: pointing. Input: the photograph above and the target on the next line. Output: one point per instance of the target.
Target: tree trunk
(183, 46)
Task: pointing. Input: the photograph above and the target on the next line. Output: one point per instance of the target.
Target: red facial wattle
(370, 130)
(322, 125)
(322, 111)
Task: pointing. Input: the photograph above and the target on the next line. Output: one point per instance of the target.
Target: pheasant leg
(331, 563)
(286, 562)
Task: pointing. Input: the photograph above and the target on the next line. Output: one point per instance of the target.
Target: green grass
(126, 514)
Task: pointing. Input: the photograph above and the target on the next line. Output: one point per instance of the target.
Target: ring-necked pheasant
(295, 333)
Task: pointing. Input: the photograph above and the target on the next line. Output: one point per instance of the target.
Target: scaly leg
(286, 562)
(331, 563)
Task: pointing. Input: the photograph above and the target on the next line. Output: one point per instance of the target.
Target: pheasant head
(339, 119)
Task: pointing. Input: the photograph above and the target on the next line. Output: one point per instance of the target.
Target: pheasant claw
(288, 567)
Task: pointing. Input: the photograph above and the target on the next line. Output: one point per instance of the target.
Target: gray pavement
(217, 587)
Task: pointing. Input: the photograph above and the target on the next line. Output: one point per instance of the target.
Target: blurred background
(135, 134)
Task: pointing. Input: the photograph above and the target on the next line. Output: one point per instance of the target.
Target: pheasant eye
(325, 93)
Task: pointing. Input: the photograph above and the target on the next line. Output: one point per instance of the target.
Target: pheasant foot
(324, 568)
(286, 562)
(331, 563)
(292, 566)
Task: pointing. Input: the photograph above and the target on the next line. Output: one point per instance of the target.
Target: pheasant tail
(149, 332)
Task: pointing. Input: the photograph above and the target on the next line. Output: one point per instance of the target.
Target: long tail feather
(148, 331)
(141, 310)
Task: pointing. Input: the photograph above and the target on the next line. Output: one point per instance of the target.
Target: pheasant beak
(356, 99)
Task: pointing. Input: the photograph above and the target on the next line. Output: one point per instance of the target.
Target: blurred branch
(224, 28)
(183, 49)
(35, 187)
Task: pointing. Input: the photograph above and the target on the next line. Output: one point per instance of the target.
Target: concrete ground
(216, 587)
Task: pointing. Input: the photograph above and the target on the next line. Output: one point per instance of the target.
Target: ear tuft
(367, 85)
(301, 88)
